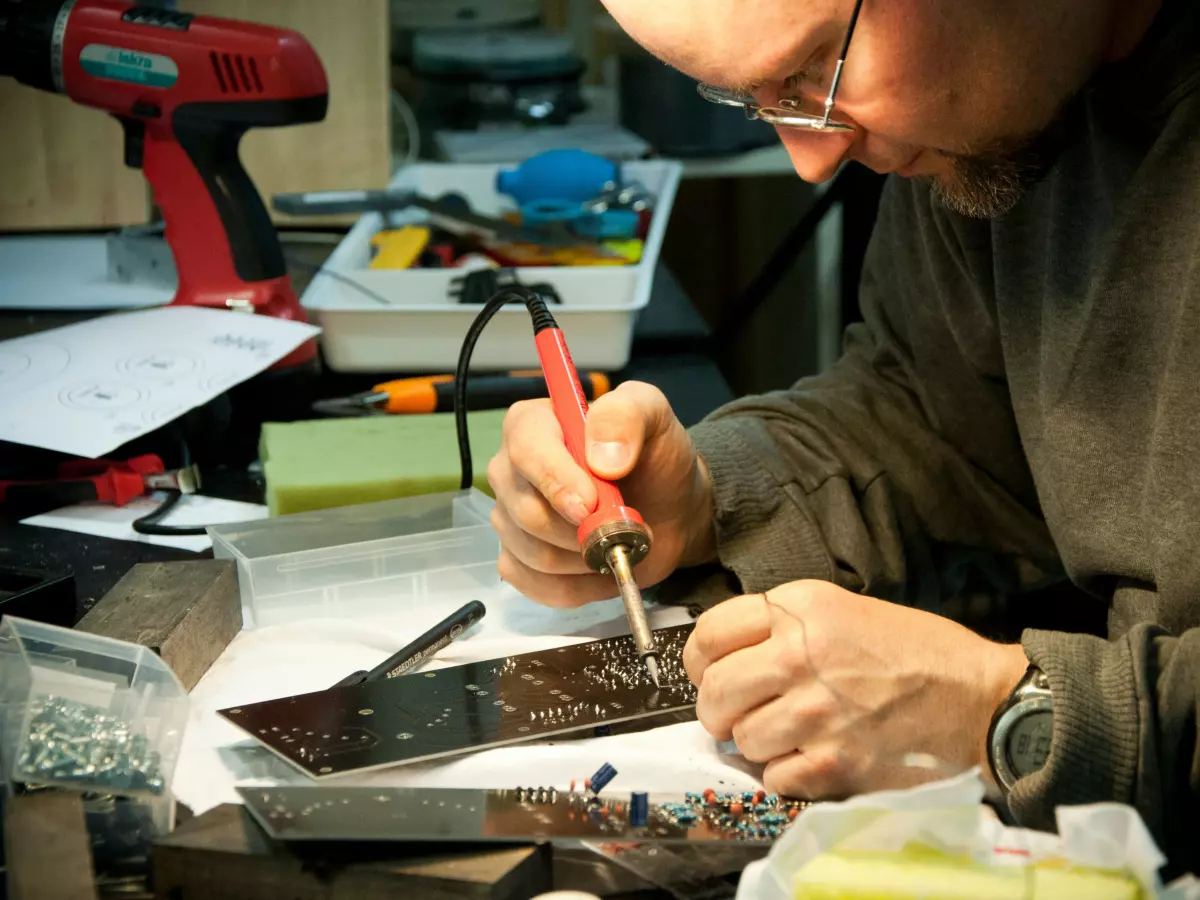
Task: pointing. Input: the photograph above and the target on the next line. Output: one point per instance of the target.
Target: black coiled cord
(541, 320)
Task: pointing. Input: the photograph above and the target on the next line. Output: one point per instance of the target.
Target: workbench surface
(670, 350)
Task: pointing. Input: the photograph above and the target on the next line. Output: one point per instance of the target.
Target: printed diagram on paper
(88, 388)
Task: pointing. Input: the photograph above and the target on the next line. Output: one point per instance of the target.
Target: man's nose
(816, 157)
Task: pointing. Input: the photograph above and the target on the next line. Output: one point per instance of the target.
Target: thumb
(620, 423)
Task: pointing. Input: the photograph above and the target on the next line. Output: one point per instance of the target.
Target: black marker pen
(426, 645)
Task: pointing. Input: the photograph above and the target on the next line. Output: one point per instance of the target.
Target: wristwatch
(1019, 737)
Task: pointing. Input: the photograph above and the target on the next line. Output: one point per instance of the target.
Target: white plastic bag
(948, 816)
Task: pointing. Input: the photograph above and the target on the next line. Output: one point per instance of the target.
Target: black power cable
(148, 524)
(541, 320)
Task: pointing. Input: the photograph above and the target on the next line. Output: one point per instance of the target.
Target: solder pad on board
(462, 709)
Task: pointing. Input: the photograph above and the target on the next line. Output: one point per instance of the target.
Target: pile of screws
(73, 742)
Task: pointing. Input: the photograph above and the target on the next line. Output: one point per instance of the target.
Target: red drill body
(185, 88)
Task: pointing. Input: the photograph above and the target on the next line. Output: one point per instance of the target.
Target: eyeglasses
(788, 112)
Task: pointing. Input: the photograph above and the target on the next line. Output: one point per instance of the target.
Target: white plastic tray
(423, 327)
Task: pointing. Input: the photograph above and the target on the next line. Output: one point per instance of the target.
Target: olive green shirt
(1022, 405)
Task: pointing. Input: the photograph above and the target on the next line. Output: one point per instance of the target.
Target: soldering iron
(613, 538)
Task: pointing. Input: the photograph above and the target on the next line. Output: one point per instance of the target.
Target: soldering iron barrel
(618, 561)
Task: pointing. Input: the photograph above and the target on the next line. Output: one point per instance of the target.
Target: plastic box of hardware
(422, 326)
(371, 559)
(87, 713)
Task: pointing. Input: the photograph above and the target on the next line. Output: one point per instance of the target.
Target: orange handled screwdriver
(435, 393)
(614, 538)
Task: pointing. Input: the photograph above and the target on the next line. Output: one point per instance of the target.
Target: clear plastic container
(371, 559)
(86, 712)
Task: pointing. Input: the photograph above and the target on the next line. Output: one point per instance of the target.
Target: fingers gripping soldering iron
(613, 538)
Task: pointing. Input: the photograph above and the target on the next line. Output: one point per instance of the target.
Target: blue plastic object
(603, 776)
(549, 210)
(573, 175)
(612, 224)
(639, 809)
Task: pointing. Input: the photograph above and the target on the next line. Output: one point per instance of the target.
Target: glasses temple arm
(837, 72)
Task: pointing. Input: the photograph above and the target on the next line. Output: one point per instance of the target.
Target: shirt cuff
(1094, 748)
(763, 532)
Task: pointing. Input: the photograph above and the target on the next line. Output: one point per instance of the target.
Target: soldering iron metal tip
(652, 668)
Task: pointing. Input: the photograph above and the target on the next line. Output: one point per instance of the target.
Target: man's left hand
(832, 689)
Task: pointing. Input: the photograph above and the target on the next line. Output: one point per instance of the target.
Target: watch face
(1029, 742)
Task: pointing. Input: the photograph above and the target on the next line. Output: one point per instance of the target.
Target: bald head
(722, 41)
(960, 93)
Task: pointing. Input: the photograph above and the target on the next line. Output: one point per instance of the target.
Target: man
(1021, 406)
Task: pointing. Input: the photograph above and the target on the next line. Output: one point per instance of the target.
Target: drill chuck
(28, 38)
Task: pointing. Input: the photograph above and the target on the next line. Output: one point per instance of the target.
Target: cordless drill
(185, 88)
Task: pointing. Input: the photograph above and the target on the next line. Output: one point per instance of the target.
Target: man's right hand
(634, 439)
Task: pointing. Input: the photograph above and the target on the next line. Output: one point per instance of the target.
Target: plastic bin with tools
(413, 319)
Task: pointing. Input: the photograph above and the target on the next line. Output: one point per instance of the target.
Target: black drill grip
(210, 133)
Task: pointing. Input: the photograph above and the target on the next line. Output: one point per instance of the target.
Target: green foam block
(325, 463)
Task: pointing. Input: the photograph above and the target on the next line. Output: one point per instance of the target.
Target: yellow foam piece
(859, 875)
(326, 463)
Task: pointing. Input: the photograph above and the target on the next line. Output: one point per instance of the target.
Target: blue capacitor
(603, 776)
(639, 808)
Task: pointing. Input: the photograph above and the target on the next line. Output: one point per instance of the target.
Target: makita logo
(129, 58)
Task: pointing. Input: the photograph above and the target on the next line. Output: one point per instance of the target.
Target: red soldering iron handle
(570, 408)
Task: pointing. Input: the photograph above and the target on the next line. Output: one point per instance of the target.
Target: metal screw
(71, 741)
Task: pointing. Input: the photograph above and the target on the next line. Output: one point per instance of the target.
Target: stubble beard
(990, 183)
(981, 188)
